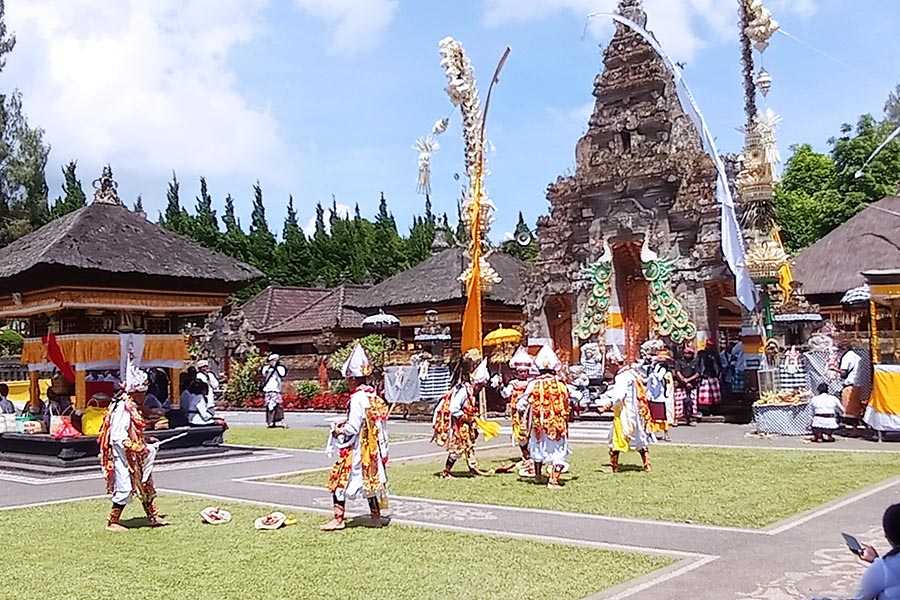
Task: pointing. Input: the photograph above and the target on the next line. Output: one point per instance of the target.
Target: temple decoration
(595, 314)
(670, 319)
(426, 146)
(761, 26)
(105, 188)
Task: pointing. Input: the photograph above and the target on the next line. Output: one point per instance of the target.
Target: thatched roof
(107, 238)
(869, 240)
(436, 279)
(332, 311)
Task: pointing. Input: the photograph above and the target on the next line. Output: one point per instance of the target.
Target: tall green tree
(73, 196)
(261, 241)
(205, 229)
(892, 106)
(234, 241)
(175, 218)
(293, 254)
(389, 256)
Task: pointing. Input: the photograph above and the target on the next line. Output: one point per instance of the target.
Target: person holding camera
(273, 374)
(881, 580)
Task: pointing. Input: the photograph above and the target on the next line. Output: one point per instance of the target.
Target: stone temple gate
(637, 226)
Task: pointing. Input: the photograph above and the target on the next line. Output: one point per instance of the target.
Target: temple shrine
(631, 246)
(103, 282)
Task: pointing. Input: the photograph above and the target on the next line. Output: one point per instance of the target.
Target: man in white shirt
(850, 394)
(273, 374)
(207, 377)
(826, 409)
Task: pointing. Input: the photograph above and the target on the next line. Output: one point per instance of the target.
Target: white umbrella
(380, 321)
(857, 295)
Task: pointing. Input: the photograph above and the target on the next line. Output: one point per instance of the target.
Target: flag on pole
(472, 326)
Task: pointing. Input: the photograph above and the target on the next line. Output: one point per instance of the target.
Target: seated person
(6, 405)
(881, 580)
(195, 404)
(154, 411)
(57, 406)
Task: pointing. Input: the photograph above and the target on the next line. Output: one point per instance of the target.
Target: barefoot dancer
(454, 417)
(522, 363)
(631, 413)
(361, 441)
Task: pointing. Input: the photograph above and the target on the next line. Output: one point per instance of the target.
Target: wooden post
(893, 329)
(80, 390)
(874, 343)
(175, 387)
(34, 387)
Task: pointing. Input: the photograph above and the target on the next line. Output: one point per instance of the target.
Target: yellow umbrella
(502, 335)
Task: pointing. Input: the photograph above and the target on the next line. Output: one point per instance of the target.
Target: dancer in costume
(454, 417)
(362, 445)
(127, 461)
(546, 400)
(631, 414)
(512, 391)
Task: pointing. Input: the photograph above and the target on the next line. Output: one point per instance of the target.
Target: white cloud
(145, 86)
(683, 27)
(310, 228)
(358, 24)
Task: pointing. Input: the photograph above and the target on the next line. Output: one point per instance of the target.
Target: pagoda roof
(104, 238)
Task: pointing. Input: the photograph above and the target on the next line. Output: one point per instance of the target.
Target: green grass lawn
(733, 487)
(61, 552)
(303, 438)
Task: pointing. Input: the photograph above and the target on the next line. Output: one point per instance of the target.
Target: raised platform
(44, 451)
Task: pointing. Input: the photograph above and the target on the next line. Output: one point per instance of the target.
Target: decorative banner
(732, 239)
(55, 354)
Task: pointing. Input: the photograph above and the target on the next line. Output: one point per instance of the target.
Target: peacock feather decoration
(670, 319)
(596, 311)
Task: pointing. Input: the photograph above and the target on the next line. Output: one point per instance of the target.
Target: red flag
(55, 354)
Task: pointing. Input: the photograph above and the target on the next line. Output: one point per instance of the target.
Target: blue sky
(322, 97)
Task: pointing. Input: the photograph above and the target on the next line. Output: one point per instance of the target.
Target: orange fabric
(472, 332)
(165, 347)
(80, 390)
(92, 349)
(33, 352)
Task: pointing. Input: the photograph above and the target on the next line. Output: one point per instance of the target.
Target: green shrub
(308, 389)
(10, 342)
(339, 386)
(243, 384)
(376, 347)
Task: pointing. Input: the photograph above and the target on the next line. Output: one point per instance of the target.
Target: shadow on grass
(136, 523)
(365, 522)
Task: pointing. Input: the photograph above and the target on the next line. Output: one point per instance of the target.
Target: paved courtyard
(798, 558)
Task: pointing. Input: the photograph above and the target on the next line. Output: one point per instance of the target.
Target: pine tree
(429, 216)
(389, 257)
(293, 254)
(321, 231)
(261, 241)
(421, 236)
(356, 215)
(139, 205)
(205, 228)
(462, 234)
(73, 196)
(234, 242)
(175, 218)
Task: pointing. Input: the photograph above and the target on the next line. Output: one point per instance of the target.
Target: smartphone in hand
(853, 543)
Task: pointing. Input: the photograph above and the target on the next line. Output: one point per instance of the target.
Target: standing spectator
(850, 393)
(881, 580)
(686, 380)
(273, 374)
(709, 393)
(6, 405)
(207, 377)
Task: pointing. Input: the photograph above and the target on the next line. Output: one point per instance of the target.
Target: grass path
(61, 552)
(726, 487)
(302, 438)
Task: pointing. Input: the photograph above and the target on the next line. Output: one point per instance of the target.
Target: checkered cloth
(790, 419)
(435, 384)
(709, 393)
(680, 397)
(791, 381)
(815, 363)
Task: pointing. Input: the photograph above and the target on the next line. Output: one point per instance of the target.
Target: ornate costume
(631, 417)
(512, 392)
(453, 422)
(545, 403)
(361, 443)
(127, 460)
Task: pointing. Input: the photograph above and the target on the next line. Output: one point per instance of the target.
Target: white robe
(359, 404)
(544, 450)
(624, 395)
(119, 423)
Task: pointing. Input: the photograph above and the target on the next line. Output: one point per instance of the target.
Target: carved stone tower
(641, 175)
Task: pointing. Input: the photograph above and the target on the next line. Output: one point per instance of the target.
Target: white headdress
(357, 364)
(615, 354)
(273, 356)
(521, 359)
(481, 373)
(547, 360)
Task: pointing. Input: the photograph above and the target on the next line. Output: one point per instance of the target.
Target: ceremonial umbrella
(502, 335)
(380, 321)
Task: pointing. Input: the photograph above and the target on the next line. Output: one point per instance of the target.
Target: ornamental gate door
(633, 292)
(558, 310)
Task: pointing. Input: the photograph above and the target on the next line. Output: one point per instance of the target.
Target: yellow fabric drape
(785, 275)
(472, 332)
(885, 398)
(33, 352)
(165, 347)
(92, 349)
